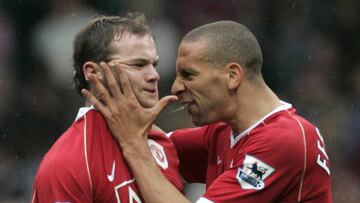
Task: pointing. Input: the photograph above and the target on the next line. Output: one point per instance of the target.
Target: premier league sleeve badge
(253, 173)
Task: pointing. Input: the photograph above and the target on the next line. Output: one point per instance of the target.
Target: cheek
(207, 89)
(214, 96)
(134, 80)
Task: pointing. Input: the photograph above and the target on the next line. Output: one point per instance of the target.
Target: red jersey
(281, 158)
(86, 165)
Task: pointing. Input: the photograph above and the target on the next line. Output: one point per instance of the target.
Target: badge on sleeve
(253, 173)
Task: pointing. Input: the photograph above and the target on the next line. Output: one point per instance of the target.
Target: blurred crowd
(311, 59)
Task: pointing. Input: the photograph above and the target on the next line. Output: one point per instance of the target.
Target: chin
(199, 122)
(147, 101)
(202, 120)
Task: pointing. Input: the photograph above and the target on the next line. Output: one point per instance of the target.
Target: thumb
(163, 103)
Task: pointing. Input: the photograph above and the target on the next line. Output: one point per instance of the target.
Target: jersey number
(322, 162)
(124, 190)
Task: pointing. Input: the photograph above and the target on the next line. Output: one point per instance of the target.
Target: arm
(152, 183)
(129, 122)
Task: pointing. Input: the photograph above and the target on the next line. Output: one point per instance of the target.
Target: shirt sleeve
(228, 188)
(60, 186)
(62, 175)
(193, 163)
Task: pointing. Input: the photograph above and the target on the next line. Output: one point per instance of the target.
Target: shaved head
(226, 42)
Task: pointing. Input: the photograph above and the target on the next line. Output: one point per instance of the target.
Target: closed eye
(138, 65)
(143, 64)
(185, 74)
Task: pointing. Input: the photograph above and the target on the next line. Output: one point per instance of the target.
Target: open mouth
(187, 104)
(180, 108)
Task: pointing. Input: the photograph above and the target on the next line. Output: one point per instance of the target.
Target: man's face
(137, 55)
(199, 84)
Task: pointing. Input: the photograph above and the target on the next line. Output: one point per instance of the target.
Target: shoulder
(68, 148)
(280, 139)
(95, 130)
(64, 161)
(94, 116)
(285, 129)
(67, 155)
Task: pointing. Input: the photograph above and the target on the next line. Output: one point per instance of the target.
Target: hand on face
(127, 119)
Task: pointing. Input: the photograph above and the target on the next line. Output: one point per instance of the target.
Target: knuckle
(112, 85)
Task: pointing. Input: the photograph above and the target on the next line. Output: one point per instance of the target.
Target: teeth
(180, 108)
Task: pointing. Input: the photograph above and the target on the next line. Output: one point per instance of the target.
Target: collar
(234, 140)
(82, 111)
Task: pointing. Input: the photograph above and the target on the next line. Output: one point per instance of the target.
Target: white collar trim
(282, 107)
(82, 111)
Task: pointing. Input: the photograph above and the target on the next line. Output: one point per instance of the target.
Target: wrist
(138, 150)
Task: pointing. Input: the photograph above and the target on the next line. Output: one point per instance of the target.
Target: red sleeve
(192, 148)
(226, 188)
(62, 174)
(238, 185)
(60, 187)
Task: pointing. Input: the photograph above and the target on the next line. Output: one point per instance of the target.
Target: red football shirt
(86, 165)
(281, 158)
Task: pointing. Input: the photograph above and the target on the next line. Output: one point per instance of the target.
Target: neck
(252, 103)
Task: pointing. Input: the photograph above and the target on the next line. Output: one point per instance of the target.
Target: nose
(178, 87)
(152, 74)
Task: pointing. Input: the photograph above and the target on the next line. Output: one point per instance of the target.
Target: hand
(128, 121)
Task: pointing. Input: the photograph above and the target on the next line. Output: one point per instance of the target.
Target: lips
(152, 91)
(188, 104)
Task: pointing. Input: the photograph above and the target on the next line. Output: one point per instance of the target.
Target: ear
(235, 75)
(90, 68)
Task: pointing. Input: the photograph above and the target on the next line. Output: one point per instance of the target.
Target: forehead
(190, 53)
(130, 46)
(195, 49)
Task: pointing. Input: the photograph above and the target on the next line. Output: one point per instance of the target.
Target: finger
(110, 80)
(94, 101)
(124, 82)
(163, 103)
(102, 94)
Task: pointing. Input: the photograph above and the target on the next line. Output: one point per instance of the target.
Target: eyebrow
(137, 60)
(189, 70)
(143, 61)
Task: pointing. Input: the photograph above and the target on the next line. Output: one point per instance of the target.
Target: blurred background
(311, 59)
